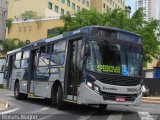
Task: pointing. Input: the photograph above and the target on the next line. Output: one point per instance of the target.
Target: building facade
(151, 8)
(33, 29)
(147, 6)
(156, 9)
(49, 11)
(46, 8)
(3, 15)
(103, 5)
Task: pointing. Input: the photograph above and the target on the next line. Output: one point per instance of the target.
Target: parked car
(145, 90)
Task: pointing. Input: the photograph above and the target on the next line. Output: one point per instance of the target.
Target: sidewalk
(3, 104)
(153, 100)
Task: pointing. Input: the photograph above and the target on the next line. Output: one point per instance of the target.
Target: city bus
(93, 65)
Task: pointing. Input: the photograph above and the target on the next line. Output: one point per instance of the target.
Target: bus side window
(42, 71)
(58, 53)
(44, 57)
(18, 60)
(25, 59)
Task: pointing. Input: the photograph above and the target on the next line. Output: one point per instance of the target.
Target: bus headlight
(93, 87)
(96, 89)
(89, 84)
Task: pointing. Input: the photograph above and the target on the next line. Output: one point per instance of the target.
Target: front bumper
(88, 96)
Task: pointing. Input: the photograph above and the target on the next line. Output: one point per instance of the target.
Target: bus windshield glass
(114, 58)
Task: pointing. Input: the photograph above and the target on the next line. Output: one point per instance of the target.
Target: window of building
(73, 6)
(83, 1)
(62, 11)
(62, 1)
(67, 12)
(78, 8)
(50, 5)
(68, 3)
(87, 3)
(107, 7)
(110, 1)
(56, 8)
(104, 5)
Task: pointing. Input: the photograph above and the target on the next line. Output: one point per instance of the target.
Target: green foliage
(9, 22)
(11, 44)
(117, 18)
(28, 15)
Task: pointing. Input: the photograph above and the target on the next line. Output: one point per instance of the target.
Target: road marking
(9, 111)
(147, 116)
(42, 109)
(86, 117)
(115, 117)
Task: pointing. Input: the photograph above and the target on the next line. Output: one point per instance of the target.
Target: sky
(132, 4)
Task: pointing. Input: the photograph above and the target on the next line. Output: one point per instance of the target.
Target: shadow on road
(74, 108)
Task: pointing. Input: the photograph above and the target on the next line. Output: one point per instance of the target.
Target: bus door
(74, 69)
(9, 70)
(32, 70)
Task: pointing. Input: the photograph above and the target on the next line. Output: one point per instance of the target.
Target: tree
(28, 15)
(117, 18)
(9, 23)
(10, 44)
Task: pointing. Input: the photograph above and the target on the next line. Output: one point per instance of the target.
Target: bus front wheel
(17, 94)
(60, 102)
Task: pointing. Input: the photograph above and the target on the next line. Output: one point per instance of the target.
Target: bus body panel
(88, 96)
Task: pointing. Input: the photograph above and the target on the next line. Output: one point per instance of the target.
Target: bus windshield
(114, 58)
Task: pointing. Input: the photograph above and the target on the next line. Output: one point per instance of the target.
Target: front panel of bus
(113, 65)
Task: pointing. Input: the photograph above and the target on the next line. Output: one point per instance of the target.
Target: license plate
(120, 99)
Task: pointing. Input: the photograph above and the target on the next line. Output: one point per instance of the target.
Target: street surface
(42, 110)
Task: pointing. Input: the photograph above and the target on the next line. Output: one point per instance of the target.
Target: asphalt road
(33, 109)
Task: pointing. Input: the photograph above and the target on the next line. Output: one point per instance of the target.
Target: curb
(3, 104)
(152, 100)
(3, 89)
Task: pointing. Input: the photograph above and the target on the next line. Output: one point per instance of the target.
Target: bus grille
(117, 79)
(113, 96)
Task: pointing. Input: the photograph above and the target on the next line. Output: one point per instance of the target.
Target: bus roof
(67, 34)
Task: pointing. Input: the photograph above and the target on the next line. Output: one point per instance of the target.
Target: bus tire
(102, 106)
(17, 94)
(60, 102)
